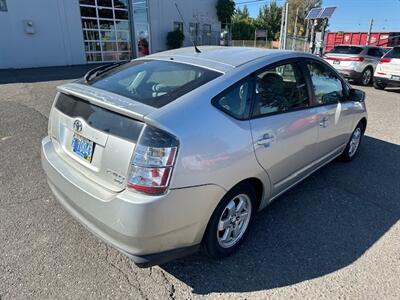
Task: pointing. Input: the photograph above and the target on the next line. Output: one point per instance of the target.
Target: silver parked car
(178, 150)
(355, 62)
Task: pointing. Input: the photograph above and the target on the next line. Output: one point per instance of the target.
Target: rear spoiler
(113, 102)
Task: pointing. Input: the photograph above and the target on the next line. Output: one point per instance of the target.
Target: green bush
(175, 39)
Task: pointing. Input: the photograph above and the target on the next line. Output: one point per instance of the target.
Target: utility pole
(371, 23)
(312, 39)
(286, 24)
(281, 32)
(295, 30)
(307, 34)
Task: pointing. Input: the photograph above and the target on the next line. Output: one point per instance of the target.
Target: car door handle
(266, 140)
(324, 121)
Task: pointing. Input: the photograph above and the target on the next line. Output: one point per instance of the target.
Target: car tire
(379, 85)
(354, 143)
(228, 220)
(366, 76)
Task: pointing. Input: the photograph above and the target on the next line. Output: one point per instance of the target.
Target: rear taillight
(355, 58)
(384, 60)
(153, 161)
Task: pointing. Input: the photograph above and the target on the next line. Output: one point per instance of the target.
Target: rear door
(335, 119)
(284, 126)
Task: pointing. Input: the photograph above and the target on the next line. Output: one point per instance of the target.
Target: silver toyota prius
(177, 151)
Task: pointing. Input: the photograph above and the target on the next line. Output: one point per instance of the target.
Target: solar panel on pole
(314, 13)
(327, 13)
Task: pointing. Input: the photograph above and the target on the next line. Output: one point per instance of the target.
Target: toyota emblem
(77, 126)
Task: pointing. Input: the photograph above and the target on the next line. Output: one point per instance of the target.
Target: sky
(350, 15)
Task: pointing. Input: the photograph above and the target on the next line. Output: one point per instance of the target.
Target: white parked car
(387, 72)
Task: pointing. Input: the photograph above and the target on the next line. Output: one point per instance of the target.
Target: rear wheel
(230, 222)
(354, 143)
(366, 77)
(379, 85)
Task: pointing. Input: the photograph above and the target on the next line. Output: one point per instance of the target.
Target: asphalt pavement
(336, 235)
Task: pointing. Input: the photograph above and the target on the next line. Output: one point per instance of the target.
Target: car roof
(360, 46)
(222, 59)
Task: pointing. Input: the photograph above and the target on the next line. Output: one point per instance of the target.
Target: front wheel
(379, 86)
(354, 143)
(230, 221)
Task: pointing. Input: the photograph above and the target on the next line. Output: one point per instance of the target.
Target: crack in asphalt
(126, 276)
(172, 289)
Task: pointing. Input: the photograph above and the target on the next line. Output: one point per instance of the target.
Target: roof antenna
(184, 24)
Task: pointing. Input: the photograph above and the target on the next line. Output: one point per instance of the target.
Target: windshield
(394, 53)
(346, 50)
(153, 82)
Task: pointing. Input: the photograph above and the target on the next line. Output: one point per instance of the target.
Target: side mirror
(356, 95)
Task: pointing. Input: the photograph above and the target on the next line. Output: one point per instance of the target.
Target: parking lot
(336, 235)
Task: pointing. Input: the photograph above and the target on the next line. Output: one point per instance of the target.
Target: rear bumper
(149, 229)
(387, 81)
(350, 74)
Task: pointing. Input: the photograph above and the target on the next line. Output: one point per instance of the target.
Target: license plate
(395, 77)
(82, 147)
(336, 62)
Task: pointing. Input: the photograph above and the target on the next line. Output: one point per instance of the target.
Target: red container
(383, 39)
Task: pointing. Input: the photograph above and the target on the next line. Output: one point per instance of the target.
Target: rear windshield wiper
(102, 69)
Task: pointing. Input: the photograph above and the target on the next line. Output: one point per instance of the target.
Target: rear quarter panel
(214, 147)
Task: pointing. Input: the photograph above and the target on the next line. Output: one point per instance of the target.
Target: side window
(376, 52)
(280, 89)
(235, 100)
(328, 88)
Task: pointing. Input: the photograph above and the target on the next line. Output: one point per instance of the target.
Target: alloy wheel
(366, 76)
(355, 141)
(234, 221)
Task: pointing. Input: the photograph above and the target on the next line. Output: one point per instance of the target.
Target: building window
(3, 5)
(194, 31)
(142, 29)
(106, 30)
(207, 29)
(178, 25)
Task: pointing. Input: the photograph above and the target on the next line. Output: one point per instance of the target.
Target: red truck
(382, 39)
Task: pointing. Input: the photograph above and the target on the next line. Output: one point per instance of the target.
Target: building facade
(68, 32)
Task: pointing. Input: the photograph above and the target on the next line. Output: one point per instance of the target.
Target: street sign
(261, 33)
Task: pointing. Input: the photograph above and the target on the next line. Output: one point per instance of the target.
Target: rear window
(153, 82)
(394, 53)
(346, 50)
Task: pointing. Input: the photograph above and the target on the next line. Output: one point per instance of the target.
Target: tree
(242, 13)
(269, 17)
(225, 11)
(242, 25)
(175, 39)
(304, 7)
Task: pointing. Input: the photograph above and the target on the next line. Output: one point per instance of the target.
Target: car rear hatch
(344, 56)
(95, 132)
(390, 63)
(95, 123)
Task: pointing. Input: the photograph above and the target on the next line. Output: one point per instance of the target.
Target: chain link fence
(297, 44)
(209, 38)
(252, 43)
(292, 43)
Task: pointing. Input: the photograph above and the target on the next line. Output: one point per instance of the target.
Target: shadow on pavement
(393, 90)
(44, 74)
(320, 226)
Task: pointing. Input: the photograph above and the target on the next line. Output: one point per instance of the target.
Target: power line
(251, 2)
